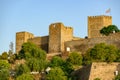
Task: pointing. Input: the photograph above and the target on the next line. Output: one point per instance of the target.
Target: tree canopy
(109, 29)
(66, 66)
(25, 77)
(30, 50)
(34, 56)
(75, 58)
(56, 61)
(101, 52)
(56, 73)
(4, 70)
(4, 56)
(22, 69)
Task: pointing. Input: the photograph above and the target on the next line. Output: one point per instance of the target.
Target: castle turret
(22, 37)
(96, 23)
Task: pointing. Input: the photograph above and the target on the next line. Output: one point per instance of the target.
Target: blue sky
(35, 16)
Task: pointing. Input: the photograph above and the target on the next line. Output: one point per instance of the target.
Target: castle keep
(61, 39)
(96, 23)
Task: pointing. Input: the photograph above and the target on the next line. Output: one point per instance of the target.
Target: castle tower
(22, 37)
(96, 23)
(58, 34)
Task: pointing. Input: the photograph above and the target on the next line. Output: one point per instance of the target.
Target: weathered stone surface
(84, 44)
(101, 70)
(104, 71)
(22, 37)
(96, 23)
(41, 42)
(58, 35)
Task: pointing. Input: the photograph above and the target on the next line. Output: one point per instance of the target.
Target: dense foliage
(60, 69)
(22, 69)
(35, 60)
(66, 66)
(4, 70)
(35, 57)
(101, 52)
(25, 77)
(30, 50)
(4, 56)
(57, 61)
(75, 58)
(109, 29)
(56, 73)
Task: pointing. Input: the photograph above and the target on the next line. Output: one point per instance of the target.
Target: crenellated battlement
(101, 16)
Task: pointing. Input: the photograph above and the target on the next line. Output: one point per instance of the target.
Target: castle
(61, 39)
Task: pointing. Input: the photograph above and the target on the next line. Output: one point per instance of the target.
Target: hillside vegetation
(55, 69)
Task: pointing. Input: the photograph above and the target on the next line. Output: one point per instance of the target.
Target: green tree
(4, 70)
(67, 67)
(117, 77)
(4, 56)
(35, 57)
(56, 73)
(56, 61)
(4, 64)
(30, 50)
(87, 58)
(112, 52)
(33, 64)
(36, 64)
(64, 65)
(25, 77)
(101, 52)
(4, 74)
(75, 58)
(109, 29)
(21, 69)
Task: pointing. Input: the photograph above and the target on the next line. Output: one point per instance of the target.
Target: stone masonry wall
(58, 34)
(101, 70)
(104, 71)
(54, 37)
(22, 37)
(66, 35)
(83, 45)
(96, 23)
(42, 42)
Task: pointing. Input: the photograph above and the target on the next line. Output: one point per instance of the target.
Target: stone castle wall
(58, 34)
(42, 42)
(101, 70)
(83, 45)
(104, 71)
(66, 35)
(61, 36)
(96, 23)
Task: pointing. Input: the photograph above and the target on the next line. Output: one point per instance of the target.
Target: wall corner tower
(58, 34)
(22, 37)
